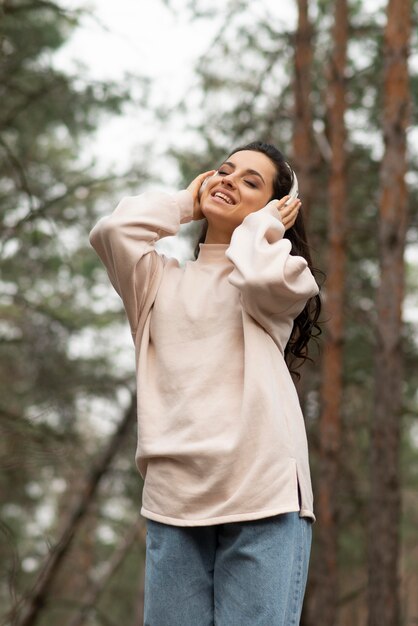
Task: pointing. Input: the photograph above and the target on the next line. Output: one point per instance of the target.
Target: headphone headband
(294, 189)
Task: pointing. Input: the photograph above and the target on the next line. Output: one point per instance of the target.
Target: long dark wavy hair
(306, 325)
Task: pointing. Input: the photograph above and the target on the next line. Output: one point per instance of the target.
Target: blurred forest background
(338, 94)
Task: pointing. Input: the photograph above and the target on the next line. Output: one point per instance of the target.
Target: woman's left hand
(289, 212)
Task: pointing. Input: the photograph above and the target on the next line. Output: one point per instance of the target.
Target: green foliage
(54, 294)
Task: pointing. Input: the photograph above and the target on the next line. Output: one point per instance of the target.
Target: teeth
(219, 194)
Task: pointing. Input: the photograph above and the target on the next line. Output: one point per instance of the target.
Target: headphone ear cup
(202, 186)
(294, 190)
(205, 182)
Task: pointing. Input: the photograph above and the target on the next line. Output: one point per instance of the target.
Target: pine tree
(330, 426)
(385, 497)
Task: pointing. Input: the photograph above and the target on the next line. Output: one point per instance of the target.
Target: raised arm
(125, 242)
(274, 284)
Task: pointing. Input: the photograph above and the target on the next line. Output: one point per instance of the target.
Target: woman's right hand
(194, 188)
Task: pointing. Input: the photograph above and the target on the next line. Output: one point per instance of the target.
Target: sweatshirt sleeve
(274, 285)
(125, 240)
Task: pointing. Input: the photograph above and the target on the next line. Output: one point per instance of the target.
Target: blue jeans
(250, 573)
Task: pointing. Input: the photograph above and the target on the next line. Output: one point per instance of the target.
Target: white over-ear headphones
(203, 185)
(294, 190)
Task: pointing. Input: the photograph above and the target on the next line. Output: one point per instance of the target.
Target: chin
(210, 212)
(207, 206)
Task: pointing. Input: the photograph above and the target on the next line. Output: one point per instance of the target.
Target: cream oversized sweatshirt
(221, 436)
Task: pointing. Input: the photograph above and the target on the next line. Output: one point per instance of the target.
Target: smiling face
(243, 184)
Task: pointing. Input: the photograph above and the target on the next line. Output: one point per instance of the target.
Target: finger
(290, 218)
(286, 211)
(206, 174)
(288, 223)
(288, 201)
(197, 182)
(282, 201)
(290, 209)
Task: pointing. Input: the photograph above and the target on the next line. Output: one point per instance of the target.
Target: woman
(221, 439)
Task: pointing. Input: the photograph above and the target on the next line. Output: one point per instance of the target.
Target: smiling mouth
(223, 197)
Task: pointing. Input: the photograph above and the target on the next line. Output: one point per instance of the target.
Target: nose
(228, 180)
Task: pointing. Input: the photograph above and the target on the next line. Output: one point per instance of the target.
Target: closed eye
(248, 182)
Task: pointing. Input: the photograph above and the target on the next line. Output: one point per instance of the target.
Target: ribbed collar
(213, 253)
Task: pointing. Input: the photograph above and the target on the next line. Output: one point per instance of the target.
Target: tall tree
(303, 145)
(385, 495)
(327, 588)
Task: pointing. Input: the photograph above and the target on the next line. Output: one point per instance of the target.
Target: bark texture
(327, 588)
(303, 145)
(384, 604)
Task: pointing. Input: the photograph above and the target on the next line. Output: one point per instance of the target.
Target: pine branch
(39, 595)
(9, 8)
(46, 89)
(42, 209)
(20, 171)
(96, 588)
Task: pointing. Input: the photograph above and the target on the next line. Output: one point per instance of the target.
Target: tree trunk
(70, 582)
(95, 589)
(384, 511)
(304, 149)
(39, 595)
(303, 145)
(325, 603)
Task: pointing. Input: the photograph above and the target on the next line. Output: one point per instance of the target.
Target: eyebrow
(248, 171)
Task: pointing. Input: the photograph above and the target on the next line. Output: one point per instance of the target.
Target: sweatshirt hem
(222, 519)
